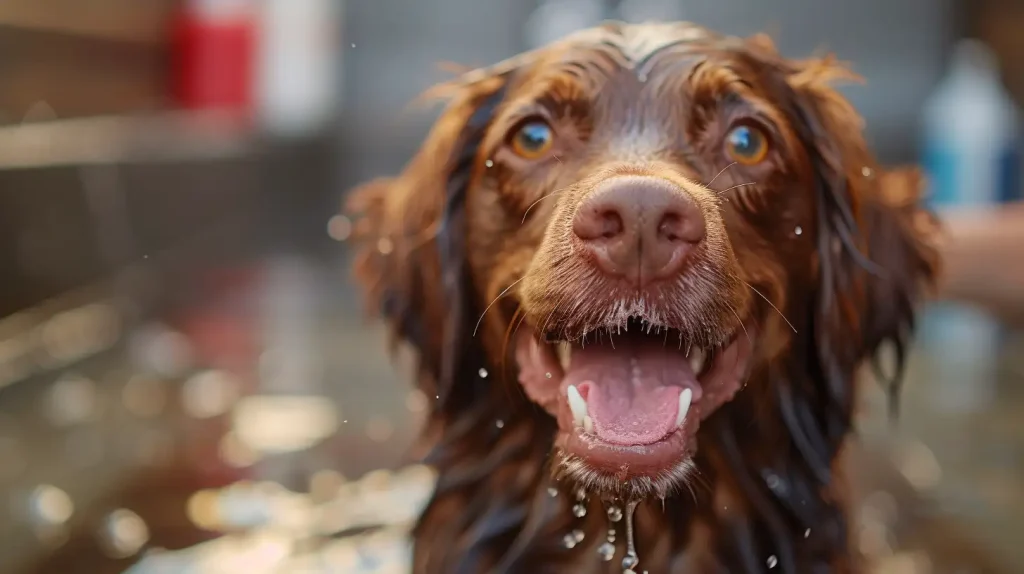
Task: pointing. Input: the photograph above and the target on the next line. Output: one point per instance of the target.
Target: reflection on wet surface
(964, 465)
(110, 458)
(260, 427)
(337, 526)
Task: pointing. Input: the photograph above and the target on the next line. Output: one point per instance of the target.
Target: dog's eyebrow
(560, 99)
(571, 85)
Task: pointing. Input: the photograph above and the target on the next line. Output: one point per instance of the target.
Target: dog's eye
(533, 139)
(747, 144)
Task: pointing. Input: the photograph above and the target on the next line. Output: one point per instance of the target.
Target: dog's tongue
(632, 390)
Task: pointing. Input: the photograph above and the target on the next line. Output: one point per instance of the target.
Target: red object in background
(214, 55)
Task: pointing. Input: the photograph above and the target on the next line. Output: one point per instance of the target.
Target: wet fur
(434, 251)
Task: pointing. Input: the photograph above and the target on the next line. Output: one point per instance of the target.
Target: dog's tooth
(577, 405)
(588, 424)
(696, 357)
(564, 351)
(685, 398)
(535, 355)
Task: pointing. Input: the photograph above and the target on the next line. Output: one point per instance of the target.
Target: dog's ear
(409, 232)
(876, 255)
(873, 260)
(902, 240)
(410, 237)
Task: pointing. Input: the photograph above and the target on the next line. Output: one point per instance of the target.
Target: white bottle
(970, 129)
(971, 155)
(298, 73)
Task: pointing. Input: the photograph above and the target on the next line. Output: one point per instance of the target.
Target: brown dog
(640, 268)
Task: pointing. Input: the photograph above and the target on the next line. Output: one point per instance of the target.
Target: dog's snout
(639, 228)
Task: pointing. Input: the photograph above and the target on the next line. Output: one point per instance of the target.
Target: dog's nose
(639, 228)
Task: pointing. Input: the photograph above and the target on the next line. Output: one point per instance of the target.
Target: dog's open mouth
(629, 403)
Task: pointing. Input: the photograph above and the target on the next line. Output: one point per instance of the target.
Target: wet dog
(640, 268)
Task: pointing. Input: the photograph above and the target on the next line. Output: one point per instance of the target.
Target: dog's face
(637, 193)
(642, 218)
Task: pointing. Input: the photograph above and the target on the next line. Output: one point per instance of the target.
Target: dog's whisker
(772, 304)
(518, 321)
(553, 193)
(699, 480)
(689, 487)
(708, 184)
(742, 325)
(721, 191)
(491, 304)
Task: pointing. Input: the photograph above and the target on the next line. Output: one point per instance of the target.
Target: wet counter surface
(263, 428)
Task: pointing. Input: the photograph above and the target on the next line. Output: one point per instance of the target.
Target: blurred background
(187, 382)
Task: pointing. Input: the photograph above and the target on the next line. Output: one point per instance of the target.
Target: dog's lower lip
(648, 459)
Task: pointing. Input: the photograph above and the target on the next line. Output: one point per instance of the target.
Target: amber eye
(747, 144)
(533, 139)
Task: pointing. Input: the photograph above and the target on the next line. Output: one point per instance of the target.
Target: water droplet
(385, 246)
(489, 163)
(799, 230)
(579, 511)
(499, 423)
(339, 228)
(611, 535)
(353, 44)
(614, 514)
(578, 535)
(642, 78)
(772, 561)
(606, 551)
(773, 481)
(548, 375)
(631, 559)
(483, 373)
(552, 491)
(581, 494)
(867, 171)
(807, 533)
(569, 541)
